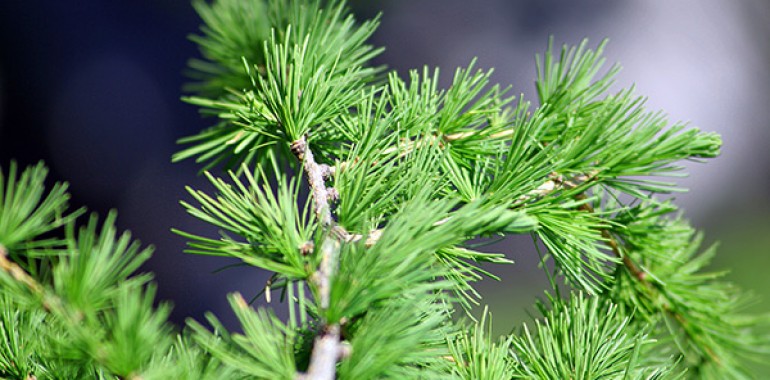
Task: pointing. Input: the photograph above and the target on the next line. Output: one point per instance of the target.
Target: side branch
(641, 276)
(51, 303)
(18, 272)
(556, 182)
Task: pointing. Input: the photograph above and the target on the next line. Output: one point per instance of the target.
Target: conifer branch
(384, 246)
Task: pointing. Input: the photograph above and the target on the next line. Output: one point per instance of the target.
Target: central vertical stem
(326, 347)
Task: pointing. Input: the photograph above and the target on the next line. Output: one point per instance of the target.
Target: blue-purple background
(92, 87)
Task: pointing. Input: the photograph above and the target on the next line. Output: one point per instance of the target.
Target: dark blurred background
(92, 87)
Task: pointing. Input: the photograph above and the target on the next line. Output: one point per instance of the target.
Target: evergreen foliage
(360, 191)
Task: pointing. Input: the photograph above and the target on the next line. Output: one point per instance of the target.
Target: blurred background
(92, 87)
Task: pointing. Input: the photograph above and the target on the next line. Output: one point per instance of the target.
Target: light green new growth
(360, 191)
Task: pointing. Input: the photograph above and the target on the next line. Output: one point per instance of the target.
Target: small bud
(326, 171)
(298, 147)
(306, 248)
(332, 194)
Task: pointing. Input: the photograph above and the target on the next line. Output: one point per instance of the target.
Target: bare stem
(326, 348)
(326, 352)
(315, 176)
